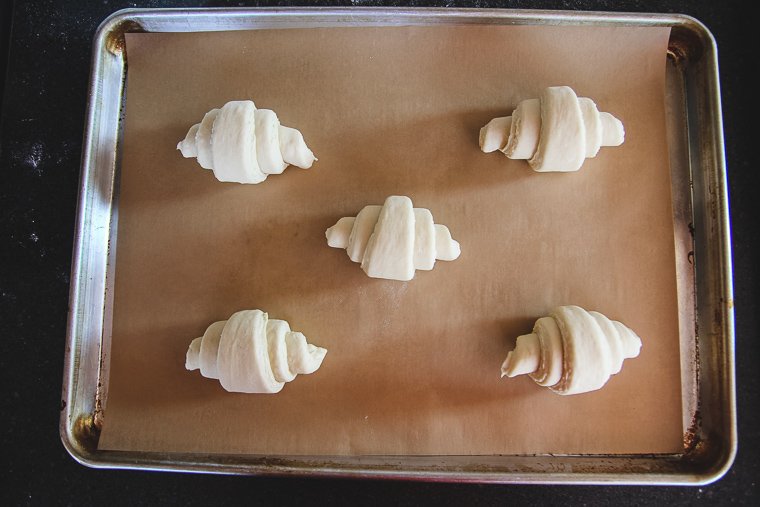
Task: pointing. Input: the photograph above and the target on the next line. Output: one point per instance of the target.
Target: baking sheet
(413, 368)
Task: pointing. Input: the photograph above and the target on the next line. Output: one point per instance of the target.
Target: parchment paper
(412, 368)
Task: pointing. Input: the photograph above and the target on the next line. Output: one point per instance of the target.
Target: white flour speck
(34, 158)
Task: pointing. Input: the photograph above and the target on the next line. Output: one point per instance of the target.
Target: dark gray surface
(40, 142)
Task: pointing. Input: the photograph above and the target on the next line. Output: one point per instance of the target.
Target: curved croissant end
(243, 144)
(572, 351)
(555, 132)
(251, 353)
(393, 240)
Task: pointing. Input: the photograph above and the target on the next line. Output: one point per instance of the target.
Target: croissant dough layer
(393, 240)
(572, 351)
(555, 132)
(243, 144)
(251, 353)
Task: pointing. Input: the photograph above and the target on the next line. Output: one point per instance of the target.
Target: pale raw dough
(251, 353)
(393, 240)
(555, 132)
(243, 144)
(572, 351)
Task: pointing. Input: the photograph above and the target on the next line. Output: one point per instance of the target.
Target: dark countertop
(43, 108)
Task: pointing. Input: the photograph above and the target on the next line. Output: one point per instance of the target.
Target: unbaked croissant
(243, 144)
(572, 351)
(555, 132)
(251, 353)
(393, 240)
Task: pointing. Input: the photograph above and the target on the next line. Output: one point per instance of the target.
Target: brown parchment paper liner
(412, 368)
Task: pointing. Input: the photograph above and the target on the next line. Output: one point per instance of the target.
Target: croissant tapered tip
(495, 134)
(505, 366)
(192, 358)
(613, 131)
(339, 234)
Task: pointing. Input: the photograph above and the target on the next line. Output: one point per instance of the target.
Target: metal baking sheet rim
(710, 440)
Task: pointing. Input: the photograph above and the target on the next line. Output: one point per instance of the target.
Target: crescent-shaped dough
(555, 132)
(251, 353)
(242, 144)
(572, 351)
(393, 240)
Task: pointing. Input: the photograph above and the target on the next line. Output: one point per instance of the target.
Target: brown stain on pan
(87, 432)
(691, 438)
(686, 44)
(115, 40)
